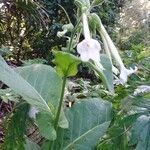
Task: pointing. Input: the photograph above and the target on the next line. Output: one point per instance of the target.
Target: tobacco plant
(80, 126)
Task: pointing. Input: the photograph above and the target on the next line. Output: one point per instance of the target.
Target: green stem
(59, 110)
(60, 103)
(73, 34)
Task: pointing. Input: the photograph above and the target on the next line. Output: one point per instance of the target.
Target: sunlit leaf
(66, 64)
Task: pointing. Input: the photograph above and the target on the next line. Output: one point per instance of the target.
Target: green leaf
(48, 84)
(44, 122)
(16, 128)
(96, 2)
(45, 81)
(38, 84)
(29, 145)
(21, 86)
(66, 64)
(88, 121)
(106, 75)
(63, 122)
(140, 133)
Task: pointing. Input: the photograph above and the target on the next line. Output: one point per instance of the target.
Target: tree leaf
(66, 64)
(88, 121)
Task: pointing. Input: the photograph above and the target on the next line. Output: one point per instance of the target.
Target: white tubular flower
(89, 48)
(86, 27)
(124, 72)
(114, 69)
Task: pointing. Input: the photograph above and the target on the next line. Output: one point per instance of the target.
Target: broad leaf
(38, 84)
(88, 121)
(45, 81)
(140, 133)
(21, 86)
(29, 145)
(66, 64)
(44, 122)
(48, 84)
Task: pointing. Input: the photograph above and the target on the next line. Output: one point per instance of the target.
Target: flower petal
(89, 49)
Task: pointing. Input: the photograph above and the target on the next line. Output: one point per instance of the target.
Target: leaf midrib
(84, 134)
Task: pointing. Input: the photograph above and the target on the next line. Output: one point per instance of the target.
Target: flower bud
(66, 28)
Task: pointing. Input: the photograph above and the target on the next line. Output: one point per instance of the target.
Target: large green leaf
(66, 64)
(48, 84)
(45, 81)
(140, 133)
(88, 121)
(21, 86)
(39, 85)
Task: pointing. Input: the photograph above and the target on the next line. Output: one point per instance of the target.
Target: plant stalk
(60, 103)
(59, 110)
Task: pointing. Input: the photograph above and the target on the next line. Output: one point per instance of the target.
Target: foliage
(29, 28)
(88, 121)
(66, 64)
(127, 132)
(95, 117)
(16, 128)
